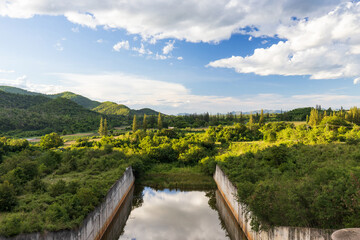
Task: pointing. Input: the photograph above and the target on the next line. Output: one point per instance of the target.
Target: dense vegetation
(42, 188)
(37, 115)
(288, 173)
(81, 100)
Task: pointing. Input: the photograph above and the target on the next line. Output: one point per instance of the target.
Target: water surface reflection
(174, 215)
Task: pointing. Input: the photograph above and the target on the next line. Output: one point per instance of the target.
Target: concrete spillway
(239, 210)
(95, 224)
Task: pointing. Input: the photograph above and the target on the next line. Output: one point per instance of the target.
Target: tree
(144, 123)
(101, 127)
(261, 120)
(8, 198)
(314, 118)
(134, 126)
(251, 121)
(105, 128)
(160, 124)
(51, 140)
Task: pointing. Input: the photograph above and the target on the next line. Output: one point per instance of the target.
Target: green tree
(251, 121)
(160, 124)
(314, 118)
(134, 125)
(51, 140)
(261, 120)
(101, 127)
(105, 128)
(8, 198)
(144, 123)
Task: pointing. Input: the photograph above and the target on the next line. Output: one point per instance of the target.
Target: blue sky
(197, 56)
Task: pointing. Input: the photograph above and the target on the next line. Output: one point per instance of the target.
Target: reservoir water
(173, 214)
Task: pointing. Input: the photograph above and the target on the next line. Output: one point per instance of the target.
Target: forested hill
(26, 115)
(111, 108)
(108, 108)
(18, 91)
(81, 100)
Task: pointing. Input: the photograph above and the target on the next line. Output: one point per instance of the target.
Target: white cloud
(100, 40)
(326, 47)
(141, 50)
(192, 20)
(160, 57)
(264, 41)
(24, 83)
(180, 58)
(6, 71)
(357, 80)
(169, 46)
(121, 45)
(139, 92)
(250, 38)
(75, 29)
(58, 46)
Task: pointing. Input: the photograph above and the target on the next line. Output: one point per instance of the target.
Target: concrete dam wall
(229, 193)
(95, 224)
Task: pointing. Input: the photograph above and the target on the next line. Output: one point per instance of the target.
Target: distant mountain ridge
(107, 108)
(81, 100)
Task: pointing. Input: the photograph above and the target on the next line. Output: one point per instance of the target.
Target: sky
(190, 56)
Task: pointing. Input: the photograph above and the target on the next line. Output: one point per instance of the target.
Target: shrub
(8, 198)
(51, 140)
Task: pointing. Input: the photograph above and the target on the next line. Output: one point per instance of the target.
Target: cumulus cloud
(169, 46)
(142, 50)
(192, 20)
(120, 45)
(326, 47)
(100, 40)
(160, 57)
(24, 83)
(180, 58)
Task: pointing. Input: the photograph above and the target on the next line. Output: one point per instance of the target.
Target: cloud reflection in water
(173, 215)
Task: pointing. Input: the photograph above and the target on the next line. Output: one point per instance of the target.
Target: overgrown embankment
(299, 185)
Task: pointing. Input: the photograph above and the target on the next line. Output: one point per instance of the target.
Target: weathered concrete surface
(346, 234)
(229, 192)
(116, 226)
(96, 223)
(231, 225)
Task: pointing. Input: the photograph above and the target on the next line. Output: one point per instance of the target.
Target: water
(173, 214)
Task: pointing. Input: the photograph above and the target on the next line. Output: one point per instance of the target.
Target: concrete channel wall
(229, 193)
(96, 223)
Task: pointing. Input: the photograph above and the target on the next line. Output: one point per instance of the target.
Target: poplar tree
(144, 123)
(261, 120)
(314, 118)
(160, 124)
(134, 126)
(251, 121)
(101, 127)
(105, 128)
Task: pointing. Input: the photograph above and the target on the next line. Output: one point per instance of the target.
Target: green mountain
(18, 91)
(111, 108)
(27, 115)
(147, 111)
(81, 100)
